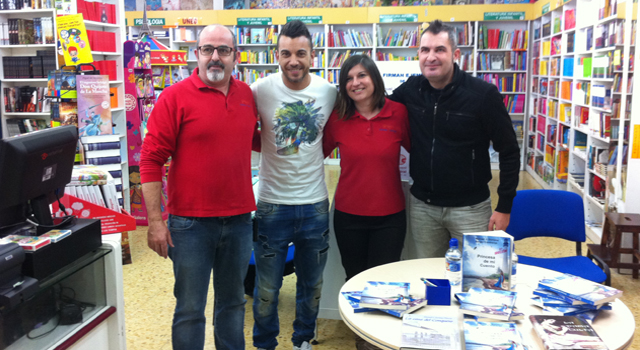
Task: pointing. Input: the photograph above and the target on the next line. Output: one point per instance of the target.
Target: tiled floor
(149, 300)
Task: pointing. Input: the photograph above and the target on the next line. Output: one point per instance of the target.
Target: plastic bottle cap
(453, 242)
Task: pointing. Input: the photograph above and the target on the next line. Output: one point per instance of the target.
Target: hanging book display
(140, 100)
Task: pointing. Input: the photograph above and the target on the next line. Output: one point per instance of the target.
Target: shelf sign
(546, 8)
(254, 21)
(409, 17)
(306, 19)
(504, 16)
(152, 21)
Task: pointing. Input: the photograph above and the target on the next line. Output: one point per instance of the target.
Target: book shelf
(14, 77)
(34, 120)
(580, 102)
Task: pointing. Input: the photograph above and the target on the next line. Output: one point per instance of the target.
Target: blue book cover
(492, 335)
(486, 260)
(580, 289)
(386, 295)
(553, 295)
(350, 296)
(497, 304)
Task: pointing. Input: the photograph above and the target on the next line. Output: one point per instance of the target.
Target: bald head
(217, 29)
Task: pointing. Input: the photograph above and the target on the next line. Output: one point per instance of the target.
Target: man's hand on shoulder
(499, 221)
(159, 238)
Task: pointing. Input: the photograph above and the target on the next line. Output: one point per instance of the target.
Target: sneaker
(304, 346)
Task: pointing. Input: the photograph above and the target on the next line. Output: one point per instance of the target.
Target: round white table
(615, 327)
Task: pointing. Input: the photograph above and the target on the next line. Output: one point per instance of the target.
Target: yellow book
(74, 40)
(543, 67)
(546, 48)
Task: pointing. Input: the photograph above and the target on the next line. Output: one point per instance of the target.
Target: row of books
(97, 10)
(317, 39)
(258, 57)
(407, 38)
(338, 58)
(465, 62)
(617, 83)
(19, 126)
(186, 33)
(25, 99)
(500, 39)
(514, 103)
(29, 67)
(388, 56)
(20, 31)
(349, 38)
(250, 76)
(515, 83)
(6, 5)
(601, 96)
(464, 34)
(502, 61)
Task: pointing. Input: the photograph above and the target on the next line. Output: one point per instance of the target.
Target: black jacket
(450, 136)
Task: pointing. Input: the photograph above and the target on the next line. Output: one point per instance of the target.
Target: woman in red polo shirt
(370, 220)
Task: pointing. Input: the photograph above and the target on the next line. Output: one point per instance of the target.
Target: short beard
(295, 81)
(215, 75)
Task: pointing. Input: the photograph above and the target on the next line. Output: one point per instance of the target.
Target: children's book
(85, 175)
(258, 35)
(429, 332)
(56, 235)
(492, 335)
(580, 289)
(565, 332)
(94, 105)
(385, 295)
(497, 304)
(486, 260)
(28, 243)
(68, 84)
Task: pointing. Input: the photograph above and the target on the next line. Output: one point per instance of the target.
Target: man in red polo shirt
(206, 124)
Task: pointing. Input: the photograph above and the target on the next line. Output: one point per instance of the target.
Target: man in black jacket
(454, 117)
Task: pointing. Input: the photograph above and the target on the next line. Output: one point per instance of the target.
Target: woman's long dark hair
(344, 104)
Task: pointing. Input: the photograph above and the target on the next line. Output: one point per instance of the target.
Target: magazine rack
(110, 221)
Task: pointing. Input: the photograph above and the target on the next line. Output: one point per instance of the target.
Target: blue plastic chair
(560, 214)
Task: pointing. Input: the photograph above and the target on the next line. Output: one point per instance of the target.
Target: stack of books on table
(569, 295)
(390, 297)
(489, 304)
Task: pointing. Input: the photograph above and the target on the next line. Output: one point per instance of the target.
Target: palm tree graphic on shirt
(296, 123)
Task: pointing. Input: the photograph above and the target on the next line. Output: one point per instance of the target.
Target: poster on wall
(72, 35)
(196, 5)
(130, 5)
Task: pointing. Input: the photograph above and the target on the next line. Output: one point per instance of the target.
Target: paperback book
(492, 335)
(385, 295)
(56, 235)
(28, 243)
(94, 106)
(496, 304)
(565, 332)
(354, 301)
(486, 260)
(429, 332)
(580, 289)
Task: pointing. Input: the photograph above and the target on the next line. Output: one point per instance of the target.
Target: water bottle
(452, 259)
(514, 267)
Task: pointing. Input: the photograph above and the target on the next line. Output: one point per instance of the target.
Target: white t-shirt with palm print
(292, 124)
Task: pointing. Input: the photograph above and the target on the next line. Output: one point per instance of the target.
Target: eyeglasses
(208, 50)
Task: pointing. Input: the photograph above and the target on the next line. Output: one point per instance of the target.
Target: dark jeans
(369, 241)
(203, 245)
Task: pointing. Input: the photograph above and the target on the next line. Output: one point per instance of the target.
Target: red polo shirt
(208, 136)
(369, 182)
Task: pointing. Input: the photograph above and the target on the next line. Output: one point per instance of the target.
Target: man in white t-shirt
(292, 197)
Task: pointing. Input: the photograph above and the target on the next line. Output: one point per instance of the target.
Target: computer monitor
(33, 167)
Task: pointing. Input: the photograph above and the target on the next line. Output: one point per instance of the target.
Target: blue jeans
(432, 226)
(200, 245)
(307, 226)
